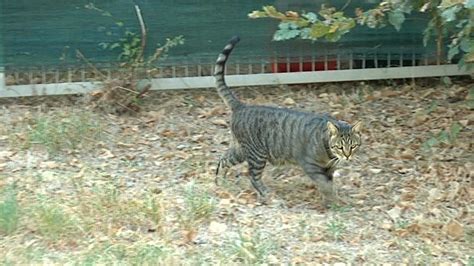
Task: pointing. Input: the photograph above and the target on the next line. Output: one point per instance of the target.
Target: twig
(142, 92)
(129, 90)
(82, 57)
(346, 5)
(144, 33)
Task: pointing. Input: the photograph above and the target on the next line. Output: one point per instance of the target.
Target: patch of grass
(53, 222)
(402, 224)
(198, 206)
(249, 249)
(153, 209)
(335, 228)
(128, 254)
(9, 214)
(57, 133)
(447, 137)
(340, 208)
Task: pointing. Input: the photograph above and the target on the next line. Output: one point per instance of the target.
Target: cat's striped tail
(226, 94)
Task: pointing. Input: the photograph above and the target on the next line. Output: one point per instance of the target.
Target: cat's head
(344, 139)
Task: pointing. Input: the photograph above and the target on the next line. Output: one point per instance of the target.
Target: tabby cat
(261, 134)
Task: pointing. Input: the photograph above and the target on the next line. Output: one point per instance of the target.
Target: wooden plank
(48, 89)
(311, 77)
(248, 80)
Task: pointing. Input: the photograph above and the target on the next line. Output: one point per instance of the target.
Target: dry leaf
(394, 213)
(408, 154)
(219, 122)
(49, 165)
(454, 229)
(217, 228)
(289, 101)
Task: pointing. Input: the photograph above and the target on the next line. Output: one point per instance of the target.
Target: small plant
(447, 136)
(249, 249)
(198, 206)
(402, 224)
(59, 134)
(447, 20)
(125, 93)
(53, 222)
(340, 208)
(153, 210)
(9, 215)
(335, 227)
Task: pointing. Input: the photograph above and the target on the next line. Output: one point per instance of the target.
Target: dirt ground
(139, 189)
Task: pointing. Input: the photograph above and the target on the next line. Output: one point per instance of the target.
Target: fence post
(2, 63)
(2, 79)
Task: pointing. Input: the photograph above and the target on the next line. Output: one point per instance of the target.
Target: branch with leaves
(453, 19)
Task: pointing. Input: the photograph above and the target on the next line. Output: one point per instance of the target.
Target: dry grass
(88, 188)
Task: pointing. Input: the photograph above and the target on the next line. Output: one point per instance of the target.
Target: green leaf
(454, 131)
(257, 14)
(286, 31)
(469, 4)
(466, 45)
(396, 18)
(449, 14)
(319, 30)
(311, 17)
(453, 50)
(430, 142)
(114, 45)
(444, 137)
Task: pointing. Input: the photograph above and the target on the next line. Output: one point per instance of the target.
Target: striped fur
(262, 134)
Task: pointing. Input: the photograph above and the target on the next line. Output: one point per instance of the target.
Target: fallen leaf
(219, 122)
(394, 213)
(217, 228)
(454, 229)
(289, 101)
(49, 165)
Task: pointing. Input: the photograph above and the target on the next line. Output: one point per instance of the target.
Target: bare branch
(144, 32)
(83, 58)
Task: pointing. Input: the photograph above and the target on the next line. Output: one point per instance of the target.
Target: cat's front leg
(324, 182)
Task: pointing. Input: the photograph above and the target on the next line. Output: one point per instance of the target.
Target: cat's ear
(332, 129)
(357, 127)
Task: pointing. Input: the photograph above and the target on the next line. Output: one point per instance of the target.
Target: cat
(263, 134)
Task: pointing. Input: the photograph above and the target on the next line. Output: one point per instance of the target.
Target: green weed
(447, 136)
(249, 249)
(64, 133)
(335, 228)
(9, 215)
(53, 222)
(198, 206)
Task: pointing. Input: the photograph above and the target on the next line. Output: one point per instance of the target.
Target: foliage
(335, 227)
(9, 214)
(62, 133)
(125, 93)
(447, 136)
(448, 18)
(198, 206)
(250, 248)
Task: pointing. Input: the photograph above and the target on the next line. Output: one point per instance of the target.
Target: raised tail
(226, 94)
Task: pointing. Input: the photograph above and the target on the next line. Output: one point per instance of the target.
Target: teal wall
(38, 32)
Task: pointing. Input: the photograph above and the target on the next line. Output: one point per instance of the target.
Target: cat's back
(264, 119)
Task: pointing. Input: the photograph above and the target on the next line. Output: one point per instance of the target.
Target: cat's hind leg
(256, 166)
(231, 157)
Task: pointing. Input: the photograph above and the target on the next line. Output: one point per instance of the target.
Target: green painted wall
(38, 32)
